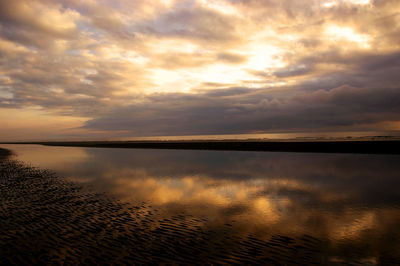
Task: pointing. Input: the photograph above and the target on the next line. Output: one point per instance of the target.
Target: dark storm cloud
(363, 69)
(207, 113)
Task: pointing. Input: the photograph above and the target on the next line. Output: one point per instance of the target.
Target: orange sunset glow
(101, 69)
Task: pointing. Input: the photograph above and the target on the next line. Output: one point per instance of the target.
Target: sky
(97, 69)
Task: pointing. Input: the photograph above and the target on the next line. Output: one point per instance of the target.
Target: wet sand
(46, 220)
(321, 146)
(4, 154)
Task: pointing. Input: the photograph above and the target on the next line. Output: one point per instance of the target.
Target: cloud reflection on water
(349, 200)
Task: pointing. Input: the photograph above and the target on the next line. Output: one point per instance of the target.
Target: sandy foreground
(47, 220)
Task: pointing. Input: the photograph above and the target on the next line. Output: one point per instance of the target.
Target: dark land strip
(357, 146)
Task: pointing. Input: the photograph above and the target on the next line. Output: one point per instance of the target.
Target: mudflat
(45, 219)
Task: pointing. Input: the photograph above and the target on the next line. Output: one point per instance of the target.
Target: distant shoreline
(317, 146)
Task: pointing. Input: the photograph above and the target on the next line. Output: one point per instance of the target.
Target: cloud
(231, 58)
(193, 22)
(37, 23)
(255, 111)
(40, 17)
(202, 66)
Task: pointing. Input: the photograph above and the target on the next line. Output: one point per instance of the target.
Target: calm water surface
(345, 207)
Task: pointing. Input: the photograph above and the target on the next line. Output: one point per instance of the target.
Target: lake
(247, 206)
